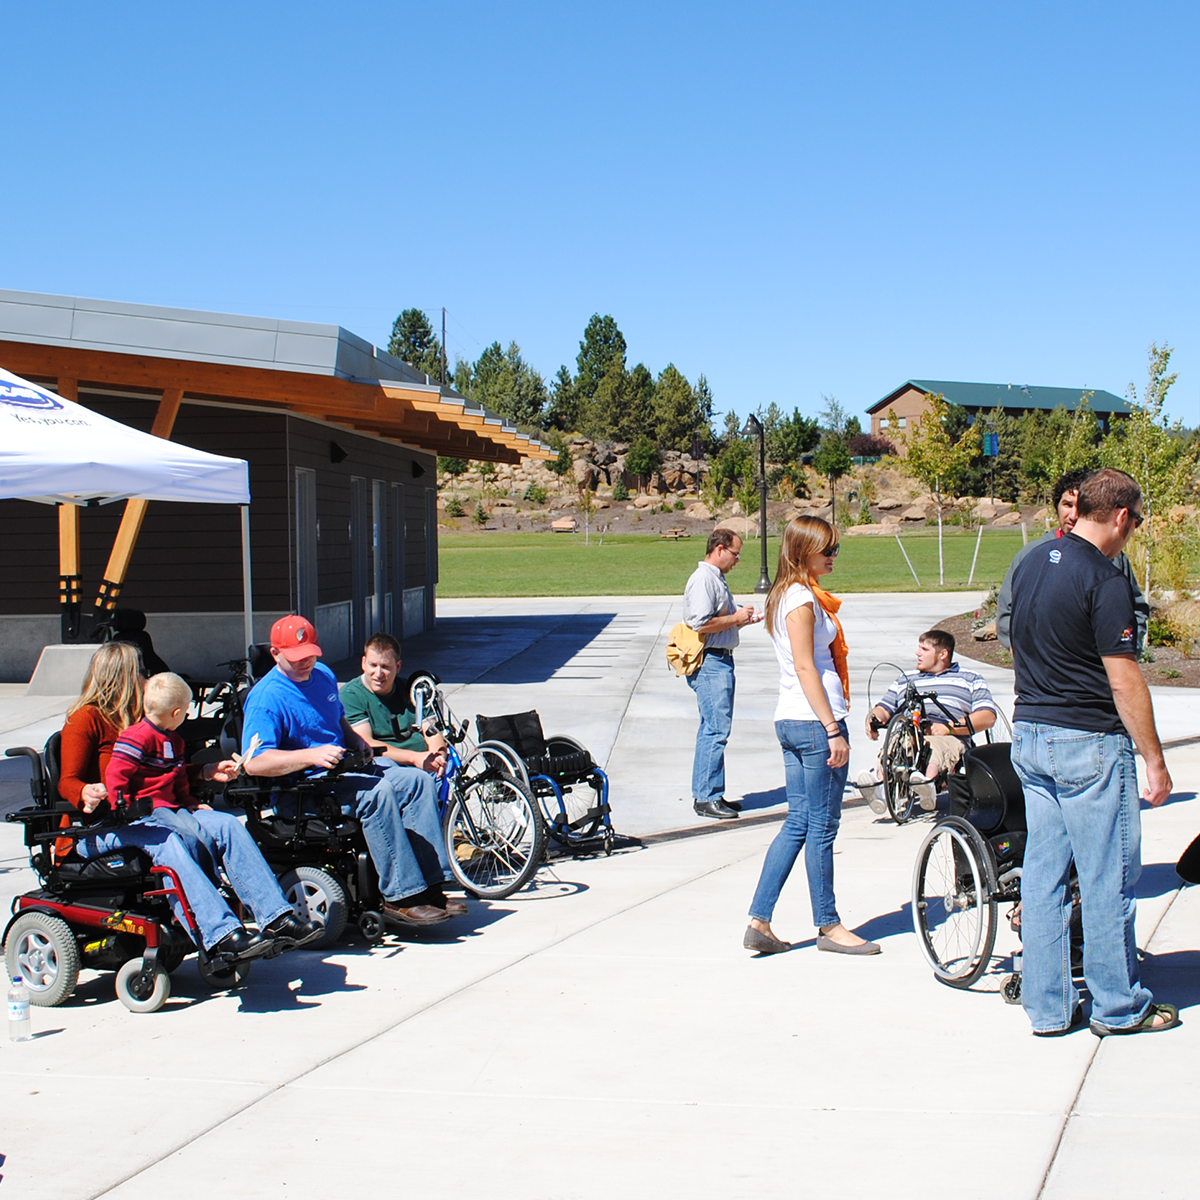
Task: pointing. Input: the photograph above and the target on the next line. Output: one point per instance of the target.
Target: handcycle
(110, 911)
(905, 744)
(494, 831)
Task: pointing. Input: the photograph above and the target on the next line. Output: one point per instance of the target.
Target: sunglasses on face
(1138, 518)
(831, 551)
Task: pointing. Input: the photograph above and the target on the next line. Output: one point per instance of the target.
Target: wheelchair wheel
(140, 995)
(316, 896)
(222, 979)
(901, 749)
(489, 756)
(371, 926)
(42, 949)
(954, 902)
(495, 837)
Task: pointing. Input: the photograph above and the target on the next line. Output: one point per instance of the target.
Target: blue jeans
(225, 839)
(397, 807)
(1081, 800)
(814, 795)
(213, 916)
(713, 685)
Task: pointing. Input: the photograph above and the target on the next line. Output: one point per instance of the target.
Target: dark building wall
(188, 556)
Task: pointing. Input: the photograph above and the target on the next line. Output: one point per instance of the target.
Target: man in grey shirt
(709, 608)
(1066, 499)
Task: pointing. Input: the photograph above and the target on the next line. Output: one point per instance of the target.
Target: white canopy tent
(54, 451)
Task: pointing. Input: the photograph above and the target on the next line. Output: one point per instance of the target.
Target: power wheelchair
(319, 853)
(970, 864)
(107, 912)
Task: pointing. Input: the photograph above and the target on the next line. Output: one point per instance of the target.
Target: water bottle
(19, 1029)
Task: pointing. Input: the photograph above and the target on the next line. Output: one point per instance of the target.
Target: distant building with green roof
(911, 399)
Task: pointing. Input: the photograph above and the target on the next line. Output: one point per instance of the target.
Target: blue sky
(794, 199)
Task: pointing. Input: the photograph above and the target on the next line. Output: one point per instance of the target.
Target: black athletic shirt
(1071, 607)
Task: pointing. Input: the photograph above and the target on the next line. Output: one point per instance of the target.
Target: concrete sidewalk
(604, 1032)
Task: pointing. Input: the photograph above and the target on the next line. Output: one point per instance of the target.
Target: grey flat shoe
(763, 943)
(824, 943)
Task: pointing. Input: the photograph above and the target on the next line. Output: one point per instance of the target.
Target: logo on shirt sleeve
(1127, 634)
(1055, 556)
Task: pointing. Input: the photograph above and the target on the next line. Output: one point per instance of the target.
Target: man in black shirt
(1080, 698)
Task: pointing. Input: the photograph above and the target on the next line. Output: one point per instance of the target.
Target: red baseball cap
(294, 638)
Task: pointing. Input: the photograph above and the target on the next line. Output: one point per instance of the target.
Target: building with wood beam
(341, 440)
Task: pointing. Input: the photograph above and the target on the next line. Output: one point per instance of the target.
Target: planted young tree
(933, 457)
(1154, 452)
(832, 460)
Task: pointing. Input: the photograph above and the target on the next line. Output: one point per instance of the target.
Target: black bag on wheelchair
(985, 790)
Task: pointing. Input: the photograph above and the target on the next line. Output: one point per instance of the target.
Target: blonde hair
(164, 693)
(113, 684)
(803, 537)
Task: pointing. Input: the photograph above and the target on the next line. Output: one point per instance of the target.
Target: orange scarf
(838, 649)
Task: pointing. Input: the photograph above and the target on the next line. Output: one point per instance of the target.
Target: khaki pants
(945, 752)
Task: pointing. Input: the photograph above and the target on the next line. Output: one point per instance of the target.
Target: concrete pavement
(604, 1031)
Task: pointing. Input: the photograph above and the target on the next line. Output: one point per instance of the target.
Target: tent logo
(21, 395)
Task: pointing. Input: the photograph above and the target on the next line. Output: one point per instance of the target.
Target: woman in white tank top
(810, 722)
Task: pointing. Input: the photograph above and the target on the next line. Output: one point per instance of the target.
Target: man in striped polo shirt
(963, 693)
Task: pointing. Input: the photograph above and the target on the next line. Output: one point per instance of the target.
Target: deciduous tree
(933, 457)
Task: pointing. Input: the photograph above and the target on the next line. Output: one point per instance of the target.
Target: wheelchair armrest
(24, 752)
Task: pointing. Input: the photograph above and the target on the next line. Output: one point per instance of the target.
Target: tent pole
(247, 590)
(131, 519)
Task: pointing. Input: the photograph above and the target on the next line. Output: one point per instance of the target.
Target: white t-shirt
(793, 705)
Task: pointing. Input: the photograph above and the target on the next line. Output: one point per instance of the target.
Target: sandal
(1146, 1024)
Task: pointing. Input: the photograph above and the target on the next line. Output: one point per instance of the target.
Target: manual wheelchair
(107, 912)
(969, 865)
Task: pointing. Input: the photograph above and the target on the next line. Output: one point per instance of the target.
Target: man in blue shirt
(1082, 705)
(297, 716)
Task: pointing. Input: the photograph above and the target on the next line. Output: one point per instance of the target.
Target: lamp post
(754, 426)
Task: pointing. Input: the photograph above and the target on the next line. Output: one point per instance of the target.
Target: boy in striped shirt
(963, 693)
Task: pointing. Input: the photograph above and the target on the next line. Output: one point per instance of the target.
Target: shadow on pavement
(1158, 879)
(1174, 977)
(496, 648)
(1173, 798)
(755, 800)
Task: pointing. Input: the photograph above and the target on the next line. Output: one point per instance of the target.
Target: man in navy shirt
(1080, 699)
(296, 714)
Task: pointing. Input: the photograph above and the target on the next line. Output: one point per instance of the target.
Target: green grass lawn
(559, 564)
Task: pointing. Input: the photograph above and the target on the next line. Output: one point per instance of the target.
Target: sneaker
(871, 788)
(924, 790)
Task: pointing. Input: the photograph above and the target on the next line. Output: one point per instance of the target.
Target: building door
(307, 534)
(431, 556)
(380, 618)
(397, 533)
(360, 562)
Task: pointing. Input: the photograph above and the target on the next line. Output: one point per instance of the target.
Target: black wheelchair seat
(562, 759)
(986, 790)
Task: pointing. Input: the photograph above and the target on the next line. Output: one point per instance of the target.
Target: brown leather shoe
(456, 908)
(420, 914)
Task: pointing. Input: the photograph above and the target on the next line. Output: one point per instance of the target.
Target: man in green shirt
(381, 713)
